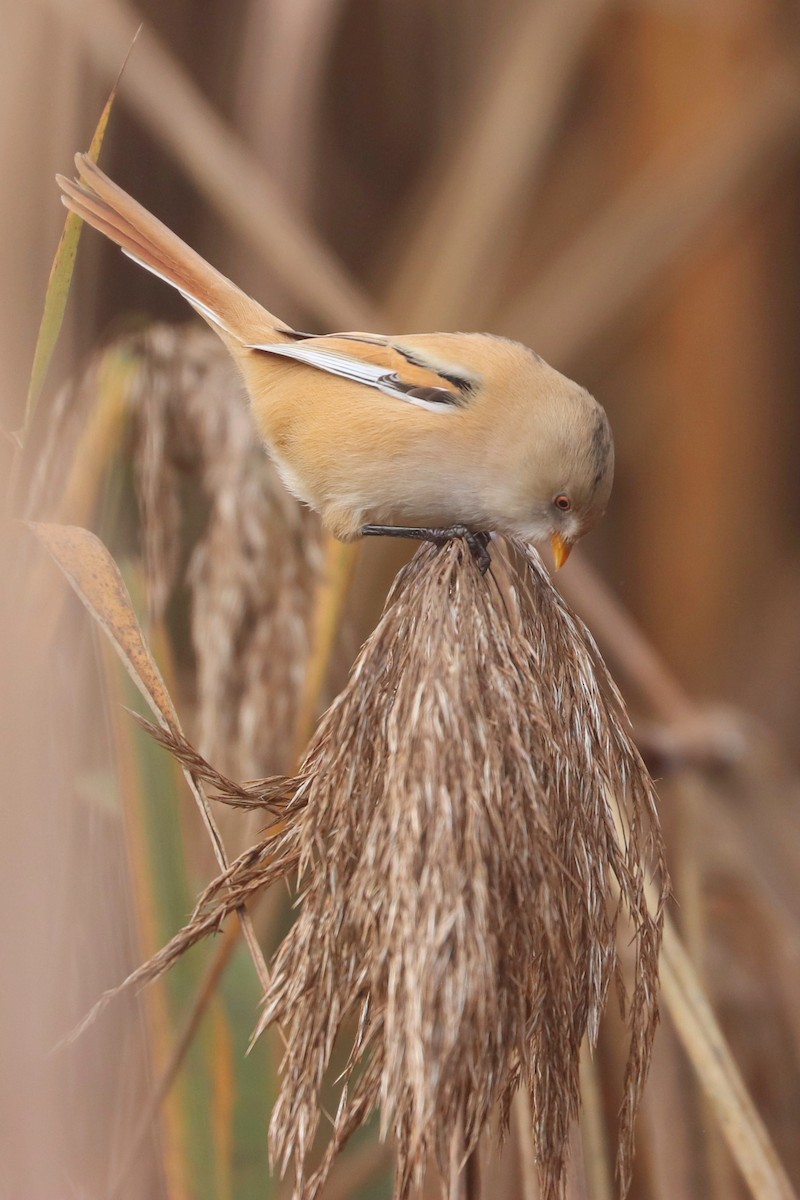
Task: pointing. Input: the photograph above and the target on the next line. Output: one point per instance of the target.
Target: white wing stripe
(350, 368)
(195, 303)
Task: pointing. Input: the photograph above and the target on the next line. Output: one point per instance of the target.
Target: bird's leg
(477, 542)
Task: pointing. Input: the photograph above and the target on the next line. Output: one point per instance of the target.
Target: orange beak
(561, 550)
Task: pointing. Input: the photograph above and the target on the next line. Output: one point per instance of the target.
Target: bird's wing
(391, 367)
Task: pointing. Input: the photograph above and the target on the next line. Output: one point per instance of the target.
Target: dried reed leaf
(94, 576)
(58, 284)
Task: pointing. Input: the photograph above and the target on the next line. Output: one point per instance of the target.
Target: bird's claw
(478, 543)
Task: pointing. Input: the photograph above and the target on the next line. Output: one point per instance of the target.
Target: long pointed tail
(101, 203)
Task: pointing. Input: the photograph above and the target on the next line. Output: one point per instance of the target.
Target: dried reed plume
(254, 557)
(469, 826)
(253, 569)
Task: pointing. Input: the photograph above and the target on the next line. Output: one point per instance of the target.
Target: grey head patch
(602, 446)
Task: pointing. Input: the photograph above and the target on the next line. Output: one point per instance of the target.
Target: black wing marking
(358, 371)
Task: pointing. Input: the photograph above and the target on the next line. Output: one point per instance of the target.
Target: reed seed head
(250, 554)
(473, 825)
(254, 560)
(473, 833)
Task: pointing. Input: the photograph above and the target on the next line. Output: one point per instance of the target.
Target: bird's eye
(563, 503)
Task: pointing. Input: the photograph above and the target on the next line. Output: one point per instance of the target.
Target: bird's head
(576, 490)
(564, 466)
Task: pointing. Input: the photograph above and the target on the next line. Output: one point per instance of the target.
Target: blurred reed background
(613, 183)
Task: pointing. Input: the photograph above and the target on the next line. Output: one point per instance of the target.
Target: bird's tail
(100, 202)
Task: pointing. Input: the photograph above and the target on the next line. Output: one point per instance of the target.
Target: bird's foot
(478, 542)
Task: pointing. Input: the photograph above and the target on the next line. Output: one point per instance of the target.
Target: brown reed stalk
(454, 834)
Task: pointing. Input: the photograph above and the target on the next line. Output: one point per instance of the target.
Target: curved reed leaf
(60, 278)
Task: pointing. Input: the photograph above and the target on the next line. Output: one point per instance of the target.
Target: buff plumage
(422, 433)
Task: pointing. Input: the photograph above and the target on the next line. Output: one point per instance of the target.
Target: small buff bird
(432, 435)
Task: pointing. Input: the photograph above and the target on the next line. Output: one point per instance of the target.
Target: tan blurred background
(613, 182)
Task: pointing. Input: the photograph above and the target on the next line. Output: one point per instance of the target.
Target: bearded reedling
(432, 435)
